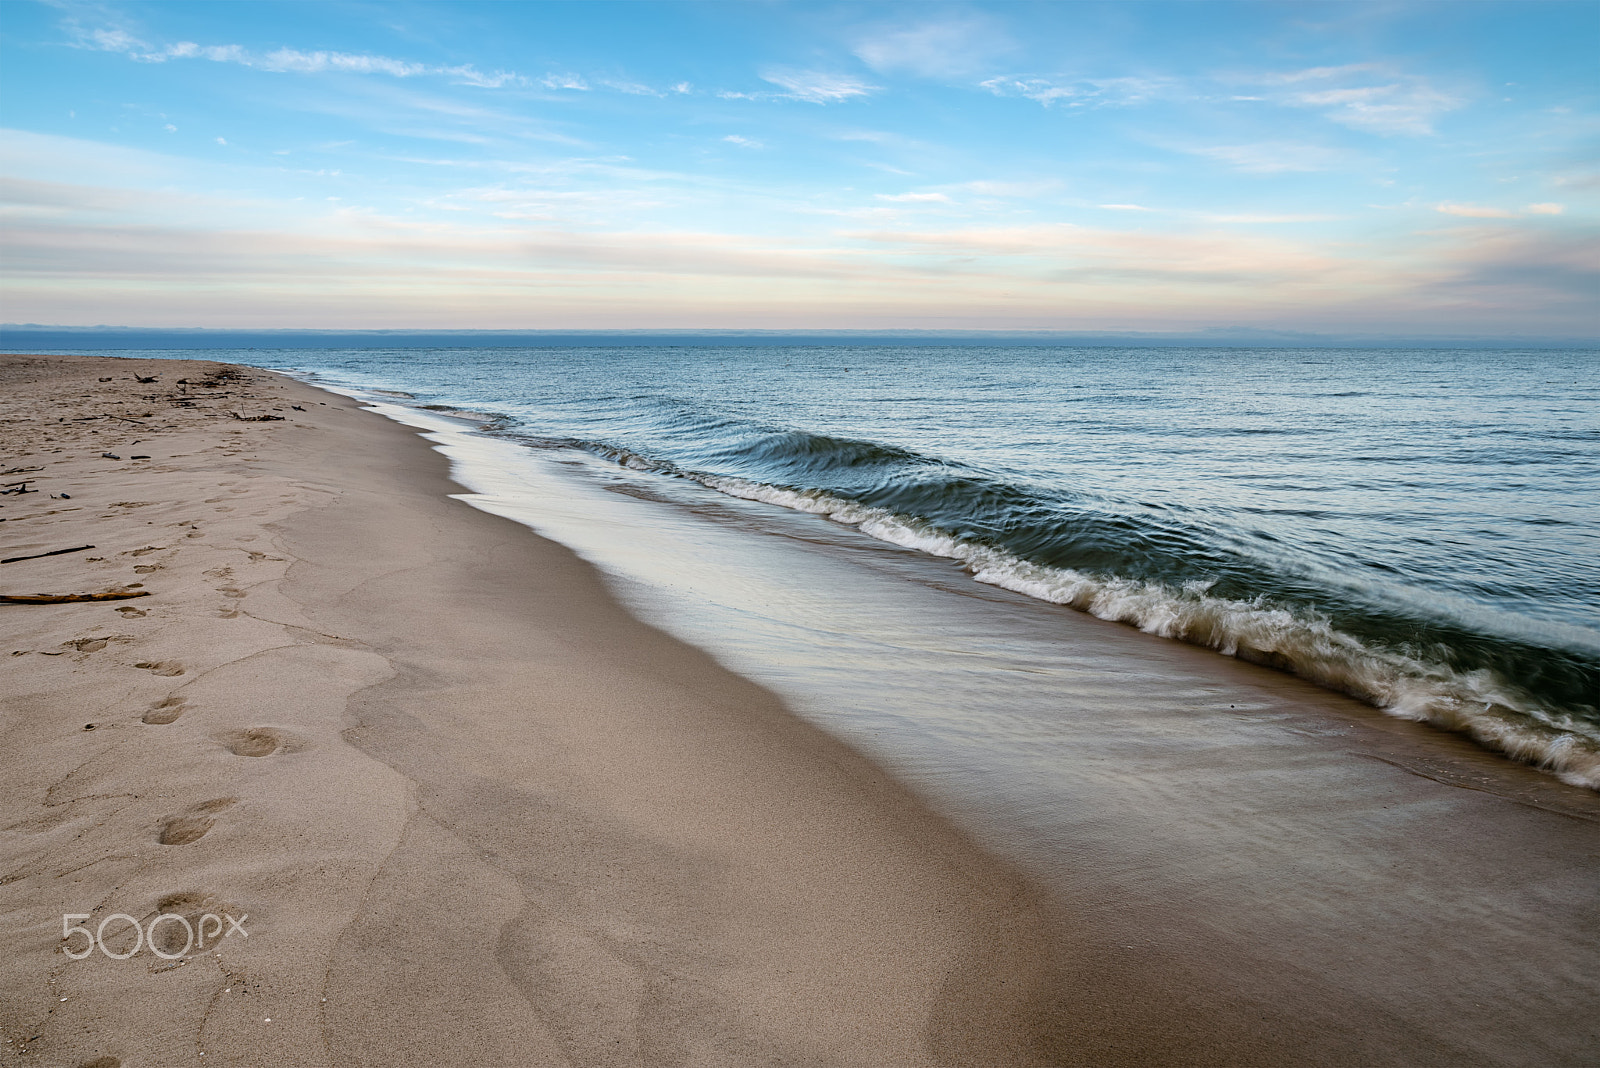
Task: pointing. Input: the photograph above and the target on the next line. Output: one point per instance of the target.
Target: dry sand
(468, 809)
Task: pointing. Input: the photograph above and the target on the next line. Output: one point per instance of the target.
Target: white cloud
(1082, 92)
(916, 198)
(171, 128)
(1125, 207)
(1364, 96)
(816, 87)
(743, 142)
(936, 49)
(1264, 218)
(1271, 157)
(563, 81)
(294, 61)
(989, 188)
(289, 59)
(631, 88)
(1474, 211)
(1038, 89)
(1484, 211)
(222, 140)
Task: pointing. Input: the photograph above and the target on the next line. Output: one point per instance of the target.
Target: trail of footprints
(193, 823)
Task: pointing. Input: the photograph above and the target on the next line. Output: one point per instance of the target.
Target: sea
(1419, 530)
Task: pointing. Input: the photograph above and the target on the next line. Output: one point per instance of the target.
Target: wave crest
(1479, 704)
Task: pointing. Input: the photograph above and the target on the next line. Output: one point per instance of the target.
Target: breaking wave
(1131, 573)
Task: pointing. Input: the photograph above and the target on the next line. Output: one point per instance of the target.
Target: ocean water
(1417, 529)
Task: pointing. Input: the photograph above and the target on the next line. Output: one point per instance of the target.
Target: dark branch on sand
(40, 556)
(64, 598)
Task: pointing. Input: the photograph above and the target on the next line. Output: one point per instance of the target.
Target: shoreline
(459, 792)
(492, 817)
(1325, 873)
(1399, 686)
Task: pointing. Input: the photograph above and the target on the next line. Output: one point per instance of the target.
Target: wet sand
(470, 810)
(1247, 869)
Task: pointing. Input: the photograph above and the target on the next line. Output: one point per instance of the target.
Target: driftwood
(41, 556)
(18, 487)
(64, 598)
(256, 418)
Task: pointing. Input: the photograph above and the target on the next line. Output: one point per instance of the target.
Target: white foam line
(1478, 704)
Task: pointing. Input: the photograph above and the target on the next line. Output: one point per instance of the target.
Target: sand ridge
(472, 810)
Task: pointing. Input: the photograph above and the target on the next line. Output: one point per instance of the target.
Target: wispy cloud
(940, 48)
(1365, 96)
(631, 88)
(294, 61)
(1474, 211)
(1484, 211)
(1271, 157)
(915, 198)
(986, 187)
(564, 81)
(1080, 92)
(743, 142)
(817, 87)
(1264, 218)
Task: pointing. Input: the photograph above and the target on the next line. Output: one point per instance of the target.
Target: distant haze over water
(26, 337)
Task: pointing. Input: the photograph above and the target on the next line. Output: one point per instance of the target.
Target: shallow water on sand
(1190, 813)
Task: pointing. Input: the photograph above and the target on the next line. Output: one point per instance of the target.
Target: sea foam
(1480, 704)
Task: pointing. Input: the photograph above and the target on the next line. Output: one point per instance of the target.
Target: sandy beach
(462, 808)
(427, 793)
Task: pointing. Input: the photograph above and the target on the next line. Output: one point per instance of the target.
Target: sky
(1386, 168)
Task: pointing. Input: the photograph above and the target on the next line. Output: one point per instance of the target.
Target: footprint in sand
(255, 742)
(102, 1062)
(191, 826)
(230, 591)
(161, 667)
(132, 613)
(191, 905)
(166, 710)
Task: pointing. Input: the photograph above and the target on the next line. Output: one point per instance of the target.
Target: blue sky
(1390, 168)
